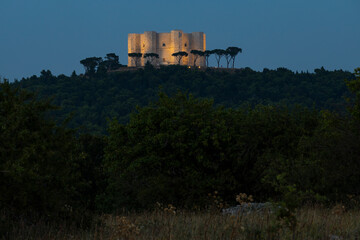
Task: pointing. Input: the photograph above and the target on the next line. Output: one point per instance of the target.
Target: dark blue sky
(296, 34)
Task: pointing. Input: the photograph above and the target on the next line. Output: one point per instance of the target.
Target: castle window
(164, 45)
(185, 45)
(163, 59)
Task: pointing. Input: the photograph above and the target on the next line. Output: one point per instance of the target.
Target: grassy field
(168, 223)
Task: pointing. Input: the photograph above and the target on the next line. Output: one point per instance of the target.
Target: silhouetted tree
(207, 55)
(112, 61)
(151, 57)
(90, 64)
(233, 52)
(218, 55)
(197, 54)
(228, 58)
(179, 56)
(136, 58)
(73, 74)
(46, 74)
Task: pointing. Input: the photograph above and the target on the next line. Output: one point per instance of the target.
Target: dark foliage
(180, 147)
(94, 99)
(45, 170)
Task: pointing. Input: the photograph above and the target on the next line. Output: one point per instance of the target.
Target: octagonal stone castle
(165, 44)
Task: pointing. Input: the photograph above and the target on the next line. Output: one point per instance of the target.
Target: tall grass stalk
(313, 223)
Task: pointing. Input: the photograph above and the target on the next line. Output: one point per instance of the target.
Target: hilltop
(92, 100)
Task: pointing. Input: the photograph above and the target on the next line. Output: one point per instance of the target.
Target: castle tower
(165, 44)
(198, 42)
(148, 44)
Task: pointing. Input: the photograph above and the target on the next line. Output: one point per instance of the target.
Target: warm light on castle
(165, 44)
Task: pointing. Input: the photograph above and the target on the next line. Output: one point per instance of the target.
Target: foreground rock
(247, 208)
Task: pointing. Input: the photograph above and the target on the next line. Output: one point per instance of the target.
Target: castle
(165, 44)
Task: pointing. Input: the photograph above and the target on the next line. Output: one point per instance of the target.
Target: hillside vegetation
(94, 99)
(180, 153)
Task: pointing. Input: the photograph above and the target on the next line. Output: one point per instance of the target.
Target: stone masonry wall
(165, 44)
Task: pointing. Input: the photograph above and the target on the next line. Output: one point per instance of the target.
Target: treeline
(94, 99)
(111, 62)
(94, 65)
(175, 150)
(229, 54)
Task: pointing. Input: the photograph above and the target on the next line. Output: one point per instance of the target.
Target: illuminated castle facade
(165, 44)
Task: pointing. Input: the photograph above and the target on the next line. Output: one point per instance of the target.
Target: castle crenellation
(165, 44)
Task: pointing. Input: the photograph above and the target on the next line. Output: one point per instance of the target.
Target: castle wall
(186, 47)
(165, 48)
(199, 43)
(165, 44)
(133, 46)
(148, 44)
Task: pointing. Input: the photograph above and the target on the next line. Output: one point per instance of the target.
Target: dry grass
(167, 223)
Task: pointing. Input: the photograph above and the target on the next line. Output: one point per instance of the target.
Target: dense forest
(92, 99)
(277, 135)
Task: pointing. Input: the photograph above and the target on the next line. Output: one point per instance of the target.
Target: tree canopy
(181, 145)
(93, 100)
(112, 61)
(37, 157)
(179, 56)
(233, 52)
(151, 57)
(197, 54)
(90, 64)
(207, 55)
(219, 53)
(136, 57)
